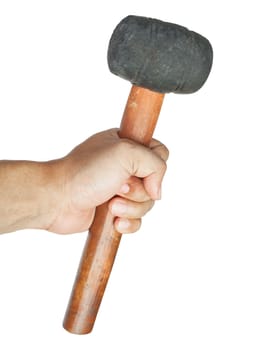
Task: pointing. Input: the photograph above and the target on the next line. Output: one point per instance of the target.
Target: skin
(61, 195)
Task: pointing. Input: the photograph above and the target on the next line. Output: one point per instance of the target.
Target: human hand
(104, 167)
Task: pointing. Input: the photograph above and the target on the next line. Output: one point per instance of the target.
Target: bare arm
(27, 194)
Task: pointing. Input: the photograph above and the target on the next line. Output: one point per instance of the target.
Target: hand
(103, 167)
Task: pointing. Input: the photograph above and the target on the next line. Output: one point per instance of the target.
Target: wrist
(50, 189)
(30, 193)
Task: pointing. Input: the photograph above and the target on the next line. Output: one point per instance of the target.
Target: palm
(73, 221)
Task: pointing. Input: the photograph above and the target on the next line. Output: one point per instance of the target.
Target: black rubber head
(160, 56)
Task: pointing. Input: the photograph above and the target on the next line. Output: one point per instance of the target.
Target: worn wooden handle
(138, 123)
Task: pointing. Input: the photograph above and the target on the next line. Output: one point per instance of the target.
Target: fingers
(134, 190)
(128, 209)
(128, 213)
(147, 163)
(136, 197)
(127, 225)
(153, 182)
(160, 149)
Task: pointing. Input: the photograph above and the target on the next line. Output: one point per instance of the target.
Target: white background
(193, 277)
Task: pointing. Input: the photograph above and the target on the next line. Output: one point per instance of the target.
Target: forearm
(27, 195)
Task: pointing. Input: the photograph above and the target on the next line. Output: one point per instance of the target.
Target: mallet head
(160, 56)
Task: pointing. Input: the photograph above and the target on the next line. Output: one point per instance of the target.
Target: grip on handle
(138, 123)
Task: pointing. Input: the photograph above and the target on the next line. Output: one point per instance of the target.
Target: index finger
(160, 149)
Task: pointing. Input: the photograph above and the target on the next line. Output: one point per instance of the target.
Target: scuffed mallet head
(160, 56)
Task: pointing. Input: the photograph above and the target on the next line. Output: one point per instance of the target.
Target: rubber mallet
(157, 58)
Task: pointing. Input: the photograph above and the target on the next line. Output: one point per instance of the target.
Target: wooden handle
(138, 123)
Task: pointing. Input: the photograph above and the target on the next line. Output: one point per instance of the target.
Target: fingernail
(123, 224)
(118, 208)
(125, 188)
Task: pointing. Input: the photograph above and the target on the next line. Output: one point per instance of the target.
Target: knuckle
(125, 145)
(163, 167)
(167, 152)
(164, 153)
(137, 225)
(149, 206)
